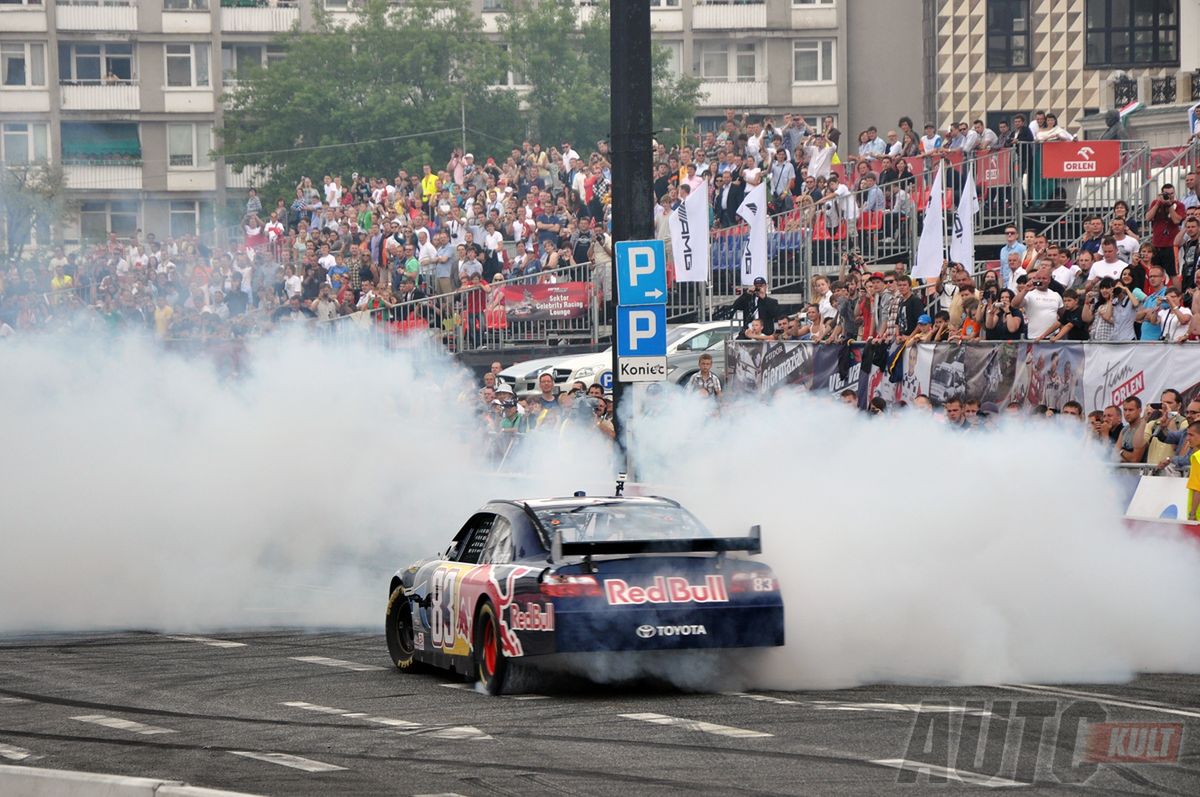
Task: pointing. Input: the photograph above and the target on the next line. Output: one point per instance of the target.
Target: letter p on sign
(643, 326)
(641, 272)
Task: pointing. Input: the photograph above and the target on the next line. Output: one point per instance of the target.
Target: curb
(17, 781)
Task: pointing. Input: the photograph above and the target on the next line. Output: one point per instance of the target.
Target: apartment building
(125, 94)
(1076, 58)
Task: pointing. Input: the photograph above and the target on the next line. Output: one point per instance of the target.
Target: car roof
(592, 500)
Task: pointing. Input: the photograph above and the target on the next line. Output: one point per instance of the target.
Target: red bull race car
(524, 579)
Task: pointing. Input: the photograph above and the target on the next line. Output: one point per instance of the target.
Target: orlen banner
(1069, 159)
(1115, 372)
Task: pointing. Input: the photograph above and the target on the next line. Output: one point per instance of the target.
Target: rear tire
(491, 667)
(400, 631)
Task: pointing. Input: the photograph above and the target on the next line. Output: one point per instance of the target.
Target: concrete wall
(884, 79)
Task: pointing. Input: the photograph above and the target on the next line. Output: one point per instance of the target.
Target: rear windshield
(622, 521)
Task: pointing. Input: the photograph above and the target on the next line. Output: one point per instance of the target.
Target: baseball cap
(878, 275)
(924, 319)
(469, 155)
(759, 281)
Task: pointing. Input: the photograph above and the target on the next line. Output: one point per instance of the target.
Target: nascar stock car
(524, 579)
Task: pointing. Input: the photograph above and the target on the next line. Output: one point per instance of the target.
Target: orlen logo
(1129, 388)
(673, 589)
(536, 618)
(1085, 166)
(1135, 742)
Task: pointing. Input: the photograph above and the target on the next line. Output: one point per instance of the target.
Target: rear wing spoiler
(751, 544)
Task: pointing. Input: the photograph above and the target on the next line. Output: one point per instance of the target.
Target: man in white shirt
(1040, 304)
(1110, 263)
(820, 156)
(333, 193)
(838, 202)
(987, 139)
(1126, 243)
(1065, 272)
(931, 141)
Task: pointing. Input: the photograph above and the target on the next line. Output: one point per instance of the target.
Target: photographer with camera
(1164, 433)
(1165, 215)
(1110, 309)
(1001, 321)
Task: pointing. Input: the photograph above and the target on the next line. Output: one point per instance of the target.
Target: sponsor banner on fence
(564, 300)
(1116, 372)
(1066, 159)
(1030, 374)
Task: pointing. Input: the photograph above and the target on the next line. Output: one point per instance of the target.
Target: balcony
(728, 16)
(100, 96)
(22, 19)
(242, 16)
(814, 94)
(732, 94)
(100, 175)
(89, 16)
(814, 17)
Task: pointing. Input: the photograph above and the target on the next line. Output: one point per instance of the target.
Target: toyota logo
(646, 631)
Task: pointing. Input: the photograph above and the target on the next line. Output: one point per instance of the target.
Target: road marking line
(915, 708)
(14, 753)
(1112, 700)
(697, 725)
(961, 775)
(471, 688)
(456, 733)
(212, 643)
(13, 700)
(122, 725)
(764, 698)
(345, 665)
(293, 761)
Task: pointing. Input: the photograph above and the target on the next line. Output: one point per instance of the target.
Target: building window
(188, 146)
(22, 64)
(80, 63)
(723, 60)
(238, 61)
(187, 65)
(185, 5)
(664, 3)
(1008, 34)
(812, 2)
(101, 143)
(98, 219)
(1132, 33)
(185, 214)
(23, 142)
(812, 61)
(674, 50)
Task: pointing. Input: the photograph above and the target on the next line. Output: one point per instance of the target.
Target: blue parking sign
(606, 381)
(641, 272)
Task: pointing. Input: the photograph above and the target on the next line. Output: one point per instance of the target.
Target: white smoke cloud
(909, 552)
(140, 490)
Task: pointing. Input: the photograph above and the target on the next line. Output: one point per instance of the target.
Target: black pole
(632, 161)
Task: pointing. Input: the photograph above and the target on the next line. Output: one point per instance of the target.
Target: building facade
(989, 59)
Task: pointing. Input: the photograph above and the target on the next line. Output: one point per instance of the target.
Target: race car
(524, 579)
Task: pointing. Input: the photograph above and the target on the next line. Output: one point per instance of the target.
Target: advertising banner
(1065, 159)
(546, 302)
(689, 238)
(1030, 374)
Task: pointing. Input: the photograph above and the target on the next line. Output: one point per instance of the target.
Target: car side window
(500, 545)
(476, 542)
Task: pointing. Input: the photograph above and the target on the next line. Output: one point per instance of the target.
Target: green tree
(31, 196)
(564, 59)
(385, 93)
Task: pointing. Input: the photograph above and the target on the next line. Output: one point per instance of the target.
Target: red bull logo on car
(669, 589)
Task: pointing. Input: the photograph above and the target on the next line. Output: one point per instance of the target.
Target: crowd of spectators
(340, 245)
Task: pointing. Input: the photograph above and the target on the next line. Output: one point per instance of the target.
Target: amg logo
(685, 236)
(674, 589)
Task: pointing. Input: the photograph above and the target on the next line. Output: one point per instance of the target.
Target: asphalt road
(288, 713)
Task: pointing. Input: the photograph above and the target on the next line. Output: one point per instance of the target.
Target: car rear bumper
(669, 629)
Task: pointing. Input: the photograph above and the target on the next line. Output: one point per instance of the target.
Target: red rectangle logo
(1135, 742)
(1071, 159)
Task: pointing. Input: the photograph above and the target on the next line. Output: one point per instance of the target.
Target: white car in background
(589, 368)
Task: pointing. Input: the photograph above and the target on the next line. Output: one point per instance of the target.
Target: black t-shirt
(1079, 330)
(579, 249)
(1000, 331)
